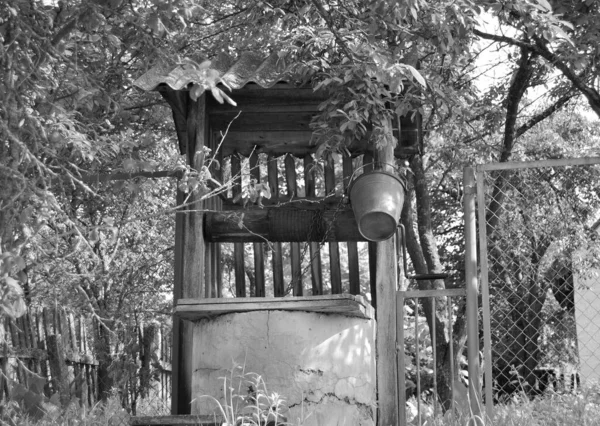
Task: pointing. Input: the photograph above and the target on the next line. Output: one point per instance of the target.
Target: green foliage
(69, 114)
(102, 414)
(247, 401)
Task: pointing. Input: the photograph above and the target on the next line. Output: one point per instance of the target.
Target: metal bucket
(377, 199)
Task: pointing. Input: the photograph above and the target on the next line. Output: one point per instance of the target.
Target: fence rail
(319, 259)
(418, 369)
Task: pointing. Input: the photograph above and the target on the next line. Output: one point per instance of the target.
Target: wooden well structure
(295, 243)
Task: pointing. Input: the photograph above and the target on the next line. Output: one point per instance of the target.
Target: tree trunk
(425, 259)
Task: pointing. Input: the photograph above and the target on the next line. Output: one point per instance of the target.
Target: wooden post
(385, 284)
(189, 259)
(58, 368)
(353, 269)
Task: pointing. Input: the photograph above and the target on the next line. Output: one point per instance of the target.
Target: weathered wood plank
(252, 122)
(181, 420)
(343, 304)
(334, 249)
(279, 142)
(283, 225)
(316, 271)
(258, 248)
(283, 142)
(278, 284)
(238, 248)
(353, 263)
(4, 388)
(296, 262)
(308, 203)
(270, 100)
(24, 353)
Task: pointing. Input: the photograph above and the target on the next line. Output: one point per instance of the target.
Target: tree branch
(562, 101)
(540, 48)
(519, 84)
(335, 32)
(590, 93)
(108, 177)
(504, 39)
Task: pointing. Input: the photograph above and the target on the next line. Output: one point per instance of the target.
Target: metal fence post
(472, 289)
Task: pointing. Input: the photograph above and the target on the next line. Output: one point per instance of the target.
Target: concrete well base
(323, 365)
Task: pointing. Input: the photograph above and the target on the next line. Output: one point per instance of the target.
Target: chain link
(543, 278)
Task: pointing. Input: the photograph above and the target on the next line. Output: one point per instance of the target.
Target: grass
(247, 401)
(581, 409)
(552, 409)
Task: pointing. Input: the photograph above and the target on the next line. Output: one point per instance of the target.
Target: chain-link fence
(539, 224)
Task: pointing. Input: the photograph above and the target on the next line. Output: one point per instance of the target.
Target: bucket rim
(384, 172)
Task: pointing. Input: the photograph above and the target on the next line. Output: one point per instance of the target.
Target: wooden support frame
(190, 259)
(385, 285)
(290, 109)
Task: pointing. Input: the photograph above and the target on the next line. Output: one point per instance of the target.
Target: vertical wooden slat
(4, 391)
(94, 368)
(316, 272)
(353, 265)
(22, 332)
(72, 332)
(47, 322)
(40, 344)
(35, 364)
(208, 205)
(238, 248)
(64, 328)
(24, 339)
(16, 342)
(367, 167)
(84, 352)
(26, 342)
(30, 337)
(258, 248)
(213, 259)
(75, 349)
(208, 272)
(292, 192)
(278, 285)
(58, 367)
(334, 249)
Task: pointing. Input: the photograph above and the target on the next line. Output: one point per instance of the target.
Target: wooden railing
(53, 352)
(297, 242)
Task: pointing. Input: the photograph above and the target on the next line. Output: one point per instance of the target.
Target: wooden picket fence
(52, 352)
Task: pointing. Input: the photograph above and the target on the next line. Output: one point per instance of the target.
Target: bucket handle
(352, 176)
